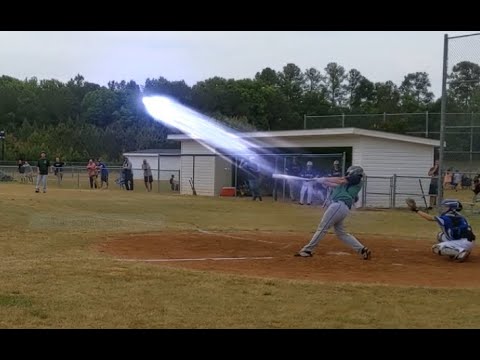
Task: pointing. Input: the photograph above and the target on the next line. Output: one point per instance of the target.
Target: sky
(102, 56)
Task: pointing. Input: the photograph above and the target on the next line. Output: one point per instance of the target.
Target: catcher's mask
(354, 170)
(451, 205)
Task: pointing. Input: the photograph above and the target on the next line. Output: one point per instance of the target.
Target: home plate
(338, 253)
(398, 264)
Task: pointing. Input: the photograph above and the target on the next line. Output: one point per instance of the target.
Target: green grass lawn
(51, 276)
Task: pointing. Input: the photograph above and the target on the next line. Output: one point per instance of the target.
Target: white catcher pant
(453, 247)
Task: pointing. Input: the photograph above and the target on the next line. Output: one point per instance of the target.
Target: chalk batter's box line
(200, 259)
(236, 237)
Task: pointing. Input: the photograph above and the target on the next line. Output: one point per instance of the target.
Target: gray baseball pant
(41, 180)
(334, 216)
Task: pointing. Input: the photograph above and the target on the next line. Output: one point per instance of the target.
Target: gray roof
(155, 151)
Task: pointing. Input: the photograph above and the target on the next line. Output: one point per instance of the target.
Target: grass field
(52, 276)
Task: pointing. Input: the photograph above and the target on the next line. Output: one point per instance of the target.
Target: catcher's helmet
(354, 170)
(452, 204)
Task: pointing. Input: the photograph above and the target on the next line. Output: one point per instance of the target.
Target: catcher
(456, 239)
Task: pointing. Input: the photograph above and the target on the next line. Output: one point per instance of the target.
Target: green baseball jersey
(43, 165)
(347, 192)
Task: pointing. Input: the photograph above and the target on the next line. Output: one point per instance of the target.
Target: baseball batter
(344, 195)
(456, 239)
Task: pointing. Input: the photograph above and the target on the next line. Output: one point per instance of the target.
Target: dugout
(381, 154)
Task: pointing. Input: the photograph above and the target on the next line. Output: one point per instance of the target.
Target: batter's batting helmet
(354, 170)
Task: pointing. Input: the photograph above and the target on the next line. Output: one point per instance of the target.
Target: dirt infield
(270, 255)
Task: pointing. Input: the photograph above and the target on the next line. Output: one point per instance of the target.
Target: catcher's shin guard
(462, 256)
(440, 237)
(443, 250)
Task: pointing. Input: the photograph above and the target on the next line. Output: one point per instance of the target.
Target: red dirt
(406, 262)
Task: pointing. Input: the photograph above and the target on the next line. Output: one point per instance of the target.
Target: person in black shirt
(21, 170)
(433, 189)
(58, 170)
(336, 170)
(293, 185)
(250, 166)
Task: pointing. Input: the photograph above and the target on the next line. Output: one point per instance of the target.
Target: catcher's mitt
(412, 205)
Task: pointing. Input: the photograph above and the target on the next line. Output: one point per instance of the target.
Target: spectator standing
(147, 175)
(58, 170)
(43, 164)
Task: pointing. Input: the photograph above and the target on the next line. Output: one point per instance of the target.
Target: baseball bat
(291, 177)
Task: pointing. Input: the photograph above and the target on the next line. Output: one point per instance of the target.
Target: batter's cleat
(304, 254)
(462, 256)
(37, 190)
(366, 253)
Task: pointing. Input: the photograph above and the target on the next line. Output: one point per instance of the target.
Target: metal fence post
(394, 190)
(304, 121)
(343, 120)
(443, 116)
(471, 138)
(275, 184)
(426, 124)
(236, 175)
(158, 172)
(364, 192)
(193, 173)
(283, 172)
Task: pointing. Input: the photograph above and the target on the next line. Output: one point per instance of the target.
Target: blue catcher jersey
(454, 226)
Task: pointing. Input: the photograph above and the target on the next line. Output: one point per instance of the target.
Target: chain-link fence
(208, 173)
(460, 90)
(77, 177)
(462, 135)
(391, 192)
(378, 191)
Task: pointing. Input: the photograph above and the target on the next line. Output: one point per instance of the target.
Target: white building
(167, 160)
(381, 155)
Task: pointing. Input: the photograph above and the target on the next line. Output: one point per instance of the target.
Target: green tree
(415, 93)
(334, 84)
(464, 82)
(291, 82)
(313, 80)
